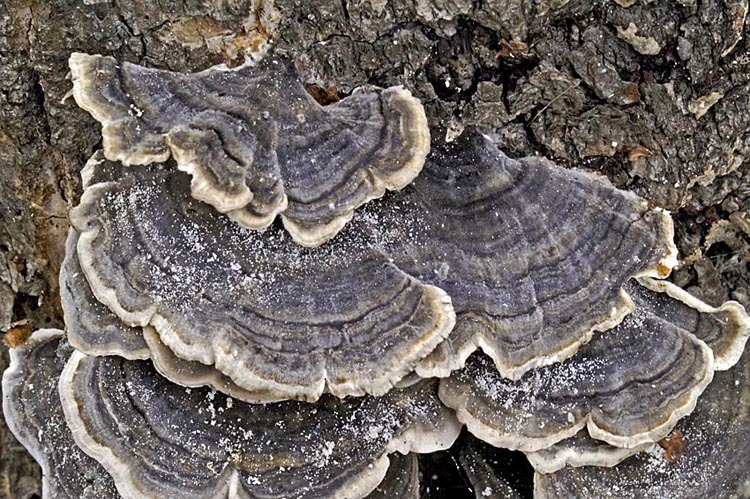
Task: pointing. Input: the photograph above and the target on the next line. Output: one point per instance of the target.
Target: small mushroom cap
(91, 326)
(282, 319)
(580, 450)
(713, 463)
(533, 256)
(159, 439)
(255, 142)
(32, 410)
(402, 479)
(629, 386)
(725, 329)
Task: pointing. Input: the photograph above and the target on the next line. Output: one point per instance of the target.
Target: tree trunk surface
(653, 94)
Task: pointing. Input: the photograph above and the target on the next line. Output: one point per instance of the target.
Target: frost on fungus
(528, 286)
(212, 351)
(628, 386)
(255, 143)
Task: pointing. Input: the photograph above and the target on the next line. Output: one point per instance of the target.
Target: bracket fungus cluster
(203, 357)
(255, 143)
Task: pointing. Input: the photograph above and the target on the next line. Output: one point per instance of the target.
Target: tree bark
(655, 95)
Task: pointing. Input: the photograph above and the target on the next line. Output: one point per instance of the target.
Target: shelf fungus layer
(32, 410)
(540, 266)
(158, 439)
(255, 142)
(34, 413)
(629, 386)
(402, 479)
(724, 329)
(533, 256)
(711, 460)
(271, 315)
(95, 330)
(91, 326)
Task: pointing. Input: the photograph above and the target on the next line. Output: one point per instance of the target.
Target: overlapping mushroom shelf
(710, 459)
(436, 263)
(158, 439)
(255, 142)
(628, 387)
(208, 358)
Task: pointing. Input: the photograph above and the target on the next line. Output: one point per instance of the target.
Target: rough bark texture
(660, 106)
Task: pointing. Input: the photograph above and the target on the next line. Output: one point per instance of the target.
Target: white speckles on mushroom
(157, 440)
(313, 165)
(630, 386)
(552, 275)
(712, 464)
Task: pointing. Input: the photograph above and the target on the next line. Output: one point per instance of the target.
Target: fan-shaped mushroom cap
(533, 256)
(255, 142)
(580, 450)
(34, 414)
(160, 439)
(274, 317)
(629, 386)
(713, 463)
(724, 329)
(95, 330)
(32, 410)
(530, 286)
(92, 327)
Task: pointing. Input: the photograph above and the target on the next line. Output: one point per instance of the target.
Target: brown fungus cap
(160, 439)
(255, 143)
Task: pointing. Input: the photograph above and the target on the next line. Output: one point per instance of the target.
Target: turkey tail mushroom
(713, 462)
(255, 143)
(32, 410)
(724, 329)
(160, 440)
(540, 267)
